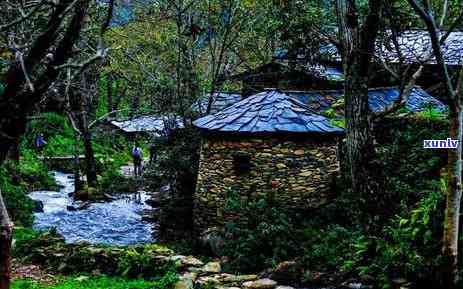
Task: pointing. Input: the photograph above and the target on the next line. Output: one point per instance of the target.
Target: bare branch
(24, 17)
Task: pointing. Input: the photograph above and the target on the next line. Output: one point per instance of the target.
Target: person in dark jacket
(137, 156)
(153, 155)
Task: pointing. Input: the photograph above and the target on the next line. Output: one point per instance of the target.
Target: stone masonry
(297, 173)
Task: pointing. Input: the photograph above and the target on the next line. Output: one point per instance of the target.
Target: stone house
(284, 76)
(268, 144)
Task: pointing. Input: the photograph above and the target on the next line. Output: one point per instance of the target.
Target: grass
(98, 282)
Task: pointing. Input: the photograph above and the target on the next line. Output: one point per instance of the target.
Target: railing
(6, 234)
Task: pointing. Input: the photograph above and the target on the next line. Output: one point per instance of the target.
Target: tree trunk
(357, 50)
(17, 102)
(6, 230)
(109, 93)
(90, 162)
(453, 200)
(77, 181)
(15, 151)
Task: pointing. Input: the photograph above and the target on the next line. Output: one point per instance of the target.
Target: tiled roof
(149, 123)
(268, 112)
(221, 100)
(379, 99)
(415, 44)
(414, 47)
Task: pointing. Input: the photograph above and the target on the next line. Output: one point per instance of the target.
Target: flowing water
(117, 222)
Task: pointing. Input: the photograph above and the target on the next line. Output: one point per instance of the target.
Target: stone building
(283, 76)
(268, 144)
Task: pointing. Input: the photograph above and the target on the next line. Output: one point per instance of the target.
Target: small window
(241, 163)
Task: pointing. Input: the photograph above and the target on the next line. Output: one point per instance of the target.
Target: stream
(116, 222)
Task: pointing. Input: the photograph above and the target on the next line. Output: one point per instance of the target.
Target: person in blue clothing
(40, 142)
(137, 157)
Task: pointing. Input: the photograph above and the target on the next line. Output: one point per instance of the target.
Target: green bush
(406, 247)
(263, 239)
(18, 204)
(99, 282)
(49, 250)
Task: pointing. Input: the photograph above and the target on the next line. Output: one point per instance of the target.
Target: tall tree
(6, 233)
(454, 95)
(35, 69)
(357, 40)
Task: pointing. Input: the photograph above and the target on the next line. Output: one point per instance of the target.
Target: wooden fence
(6, 232)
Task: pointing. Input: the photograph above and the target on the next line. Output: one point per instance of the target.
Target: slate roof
(270, 111)
(379, 99)
(414, 46)
(221, 100)
(149, 123)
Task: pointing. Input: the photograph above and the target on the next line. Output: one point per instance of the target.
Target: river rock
(212, 267)
(239, 278)
(260, 284)
(81, 195)
(165, 189)
(184, 282)
(287, 272)
(211, 238)
(192, 261)
(71, 208)
(284, 287)
(207, 281)
(38, 207)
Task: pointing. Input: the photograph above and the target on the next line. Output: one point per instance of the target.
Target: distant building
(268, 144)
(220, 101)
(153, 125)
(287, 77)
(414, 49)
(379, 99)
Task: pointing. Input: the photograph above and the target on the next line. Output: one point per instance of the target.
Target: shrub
(13, 189)
(264, 238)
(98, 282)
(406, 247)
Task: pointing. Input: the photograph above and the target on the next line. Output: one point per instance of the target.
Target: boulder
(212, 240)
(207, 281)
(81, 195)
(287, 272)
(184, 282)
(71, 208)
(239, 278)
(38, 207)
(260, 284)
(212, 267)
(191, 261)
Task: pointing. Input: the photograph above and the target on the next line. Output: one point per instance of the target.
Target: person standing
(153, 155)
(40, 142)
(137, 156)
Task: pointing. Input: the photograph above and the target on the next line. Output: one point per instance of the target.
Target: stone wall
(298, 174)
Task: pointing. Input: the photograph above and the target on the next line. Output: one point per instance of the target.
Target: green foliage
(98, 282)
(49, 250)
(327, 248)
(57, 132)
(262, 240)
(14, 186)
(432, 114)
(410, 169)
(407, 247)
